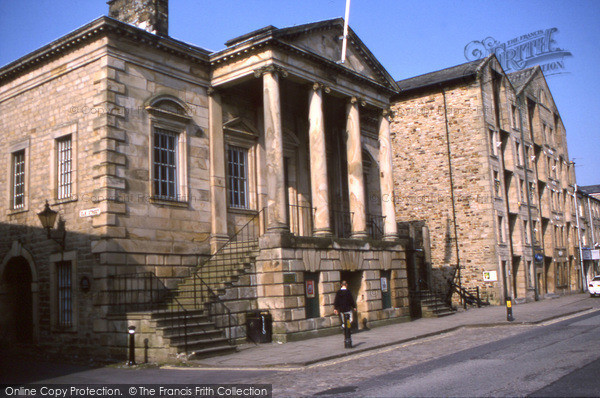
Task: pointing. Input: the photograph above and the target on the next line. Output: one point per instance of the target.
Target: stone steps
(433, 307)
(184, 323)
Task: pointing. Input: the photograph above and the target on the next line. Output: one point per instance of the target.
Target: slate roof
(590, 189)
(464, 71)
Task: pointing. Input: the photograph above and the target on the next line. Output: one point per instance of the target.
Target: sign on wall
(310, 288)
(490, 276)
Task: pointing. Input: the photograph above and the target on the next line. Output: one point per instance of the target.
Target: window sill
(14, 212)
(65, 200)
(166, 202)
(69, 330)
(237, 210)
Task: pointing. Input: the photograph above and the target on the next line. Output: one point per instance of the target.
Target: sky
(408, 37)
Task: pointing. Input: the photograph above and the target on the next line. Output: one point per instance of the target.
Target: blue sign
(539, 257)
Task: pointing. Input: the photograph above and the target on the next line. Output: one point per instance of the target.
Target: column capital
(210, 91)
(386, 113)
(321, 86)
(273, 69)
(357, 100)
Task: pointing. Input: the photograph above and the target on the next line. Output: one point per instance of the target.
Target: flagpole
(345, 37)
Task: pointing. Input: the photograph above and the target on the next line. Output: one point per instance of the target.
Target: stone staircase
(195, 293)
(433, 307)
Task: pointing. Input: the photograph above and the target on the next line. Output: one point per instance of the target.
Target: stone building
(587, 232)
(481, 156)
(194, 186)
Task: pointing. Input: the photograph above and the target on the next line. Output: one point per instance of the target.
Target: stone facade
(481, 156)
(160, 156)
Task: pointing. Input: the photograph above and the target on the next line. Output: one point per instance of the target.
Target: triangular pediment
(240, 126)
(325, 39)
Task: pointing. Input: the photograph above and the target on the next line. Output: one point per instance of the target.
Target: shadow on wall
(52, 299)
(441, 281)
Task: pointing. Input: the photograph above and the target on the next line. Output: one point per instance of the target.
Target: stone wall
(280, 283)
(427, 158)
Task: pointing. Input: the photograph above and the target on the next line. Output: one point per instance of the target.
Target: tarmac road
(559, 359)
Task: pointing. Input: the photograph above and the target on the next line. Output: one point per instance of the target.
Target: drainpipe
(452, 195)
(591, 228)
(527, 194)
(583, 278)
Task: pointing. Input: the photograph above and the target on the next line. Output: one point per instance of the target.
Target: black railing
(301, 219)
(203, 288)
(470, 297)
(375, 226)
(342, 223)
(146, 292)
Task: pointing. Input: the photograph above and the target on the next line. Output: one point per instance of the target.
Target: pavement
(320, 349)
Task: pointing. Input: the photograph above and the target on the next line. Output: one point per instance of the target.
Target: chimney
(150, 15)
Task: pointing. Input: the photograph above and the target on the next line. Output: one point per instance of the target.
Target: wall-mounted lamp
(47, 218)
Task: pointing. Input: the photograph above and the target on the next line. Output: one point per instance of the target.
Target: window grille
(237, 165)
(65, 167)
(65, 302)
(18, 196)
(165, 164)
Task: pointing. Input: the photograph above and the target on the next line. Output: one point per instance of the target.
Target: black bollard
(509, 314)
(347, 332)
(131, 346)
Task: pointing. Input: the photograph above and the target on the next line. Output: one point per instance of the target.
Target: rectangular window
(496, 183)
(500, 229)
(526, 231)
(165, 164)
(513, 111)
(237, 176)
(64, 155)
(64, 296)
(493, 143)
(518, 154)
(18, 180)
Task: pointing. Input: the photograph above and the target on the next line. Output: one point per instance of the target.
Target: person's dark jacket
(344, 301)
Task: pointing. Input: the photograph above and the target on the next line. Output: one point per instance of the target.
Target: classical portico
(328, 124)
(303, 142)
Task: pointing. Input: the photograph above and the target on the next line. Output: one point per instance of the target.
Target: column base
(391, 238)
(359, 235)
(322, 233)
(217, 241)
(275, 238)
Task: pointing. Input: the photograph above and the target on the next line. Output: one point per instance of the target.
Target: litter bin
(259, 326)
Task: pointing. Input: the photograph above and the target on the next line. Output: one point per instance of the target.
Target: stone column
(386, 181)
(276, 209)
(356, 184)
(318, 162)
(218, 182)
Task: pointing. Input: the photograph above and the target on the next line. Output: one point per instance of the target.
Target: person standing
(344, 303)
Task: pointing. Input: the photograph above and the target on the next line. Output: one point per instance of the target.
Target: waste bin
(259, 326)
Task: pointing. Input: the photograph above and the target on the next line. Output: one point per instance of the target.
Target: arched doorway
(16, 302)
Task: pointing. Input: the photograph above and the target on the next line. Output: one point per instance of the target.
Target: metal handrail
(469, 297)
(342, 223)
(222, 267)
(301, 219)
(375, 225)
(146, 292)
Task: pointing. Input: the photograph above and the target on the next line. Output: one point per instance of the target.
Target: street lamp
(47, 218)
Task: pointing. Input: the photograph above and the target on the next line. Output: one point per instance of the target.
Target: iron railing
(342, 223)
(470, 297)
(146, 292)
(375, 226)
(203, 288)
(301, 219)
